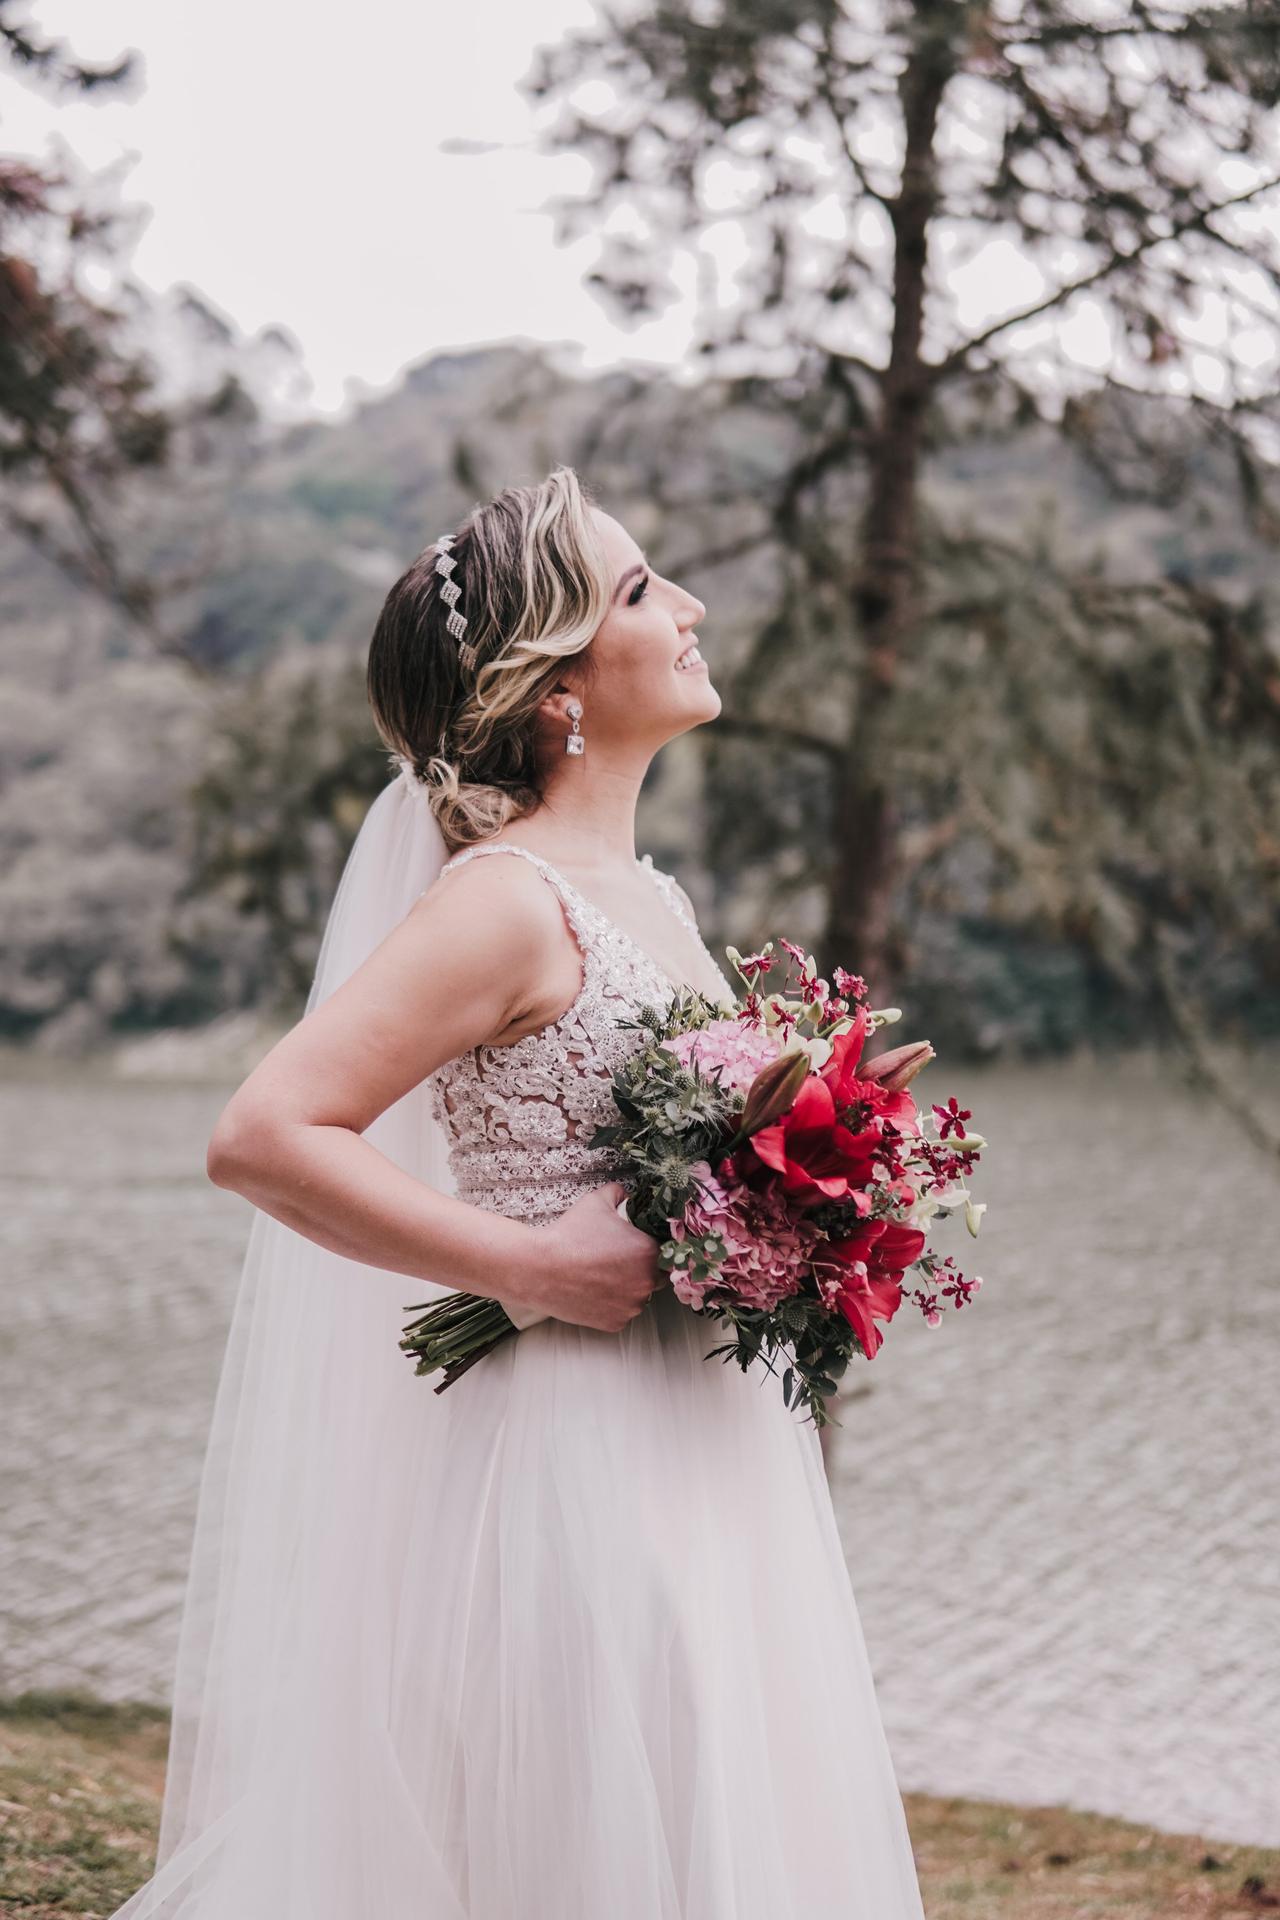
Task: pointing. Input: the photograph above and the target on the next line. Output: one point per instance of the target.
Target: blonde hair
(535, 587)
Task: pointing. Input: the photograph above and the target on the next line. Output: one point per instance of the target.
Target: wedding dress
(649, 1698)
(572, 1640)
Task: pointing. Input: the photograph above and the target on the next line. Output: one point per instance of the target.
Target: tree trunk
(864, 823)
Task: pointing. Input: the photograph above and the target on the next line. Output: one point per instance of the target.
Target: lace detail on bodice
(518, 1117)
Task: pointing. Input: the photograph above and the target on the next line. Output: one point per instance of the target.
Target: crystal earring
(574, 742)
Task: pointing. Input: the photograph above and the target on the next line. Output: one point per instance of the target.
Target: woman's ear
(560, 720)
(553, 708)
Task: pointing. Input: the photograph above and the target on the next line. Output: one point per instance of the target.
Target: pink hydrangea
(769, 1247)
(739, 1051)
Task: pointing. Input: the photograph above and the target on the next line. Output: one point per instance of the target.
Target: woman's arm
(484, 948)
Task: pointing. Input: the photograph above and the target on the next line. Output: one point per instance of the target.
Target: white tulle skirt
(573, 1640)
(591, 1654)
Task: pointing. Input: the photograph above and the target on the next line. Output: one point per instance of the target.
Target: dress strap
(674, 895)
(570, 899)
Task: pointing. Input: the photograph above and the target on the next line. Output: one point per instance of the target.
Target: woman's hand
(591, 1266)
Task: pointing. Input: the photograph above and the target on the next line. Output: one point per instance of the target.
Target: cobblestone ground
(1059, 1508)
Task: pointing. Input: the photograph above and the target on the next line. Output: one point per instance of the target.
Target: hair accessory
(405, 769)
(574, 742)
(452, 592)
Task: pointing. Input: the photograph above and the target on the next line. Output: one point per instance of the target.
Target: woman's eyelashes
(637, 592)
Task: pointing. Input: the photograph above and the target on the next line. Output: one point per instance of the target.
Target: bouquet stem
(454, 1333)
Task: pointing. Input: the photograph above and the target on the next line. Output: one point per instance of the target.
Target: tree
(80, 420)
(1127, 154)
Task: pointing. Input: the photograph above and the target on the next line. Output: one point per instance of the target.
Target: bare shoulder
(474, 951)
(493, 897)
(498, 912)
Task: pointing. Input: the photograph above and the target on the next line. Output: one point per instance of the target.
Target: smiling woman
(528, 1648)
(475, 671)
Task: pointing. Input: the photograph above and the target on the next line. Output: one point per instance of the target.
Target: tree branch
(942, 369)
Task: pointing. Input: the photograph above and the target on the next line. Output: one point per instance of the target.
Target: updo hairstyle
(534, 589)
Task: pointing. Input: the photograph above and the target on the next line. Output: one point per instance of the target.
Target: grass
(80, 1788)
(81, 1781)
(983, 1860)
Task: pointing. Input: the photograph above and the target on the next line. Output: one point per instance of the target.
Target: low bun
(470, 810)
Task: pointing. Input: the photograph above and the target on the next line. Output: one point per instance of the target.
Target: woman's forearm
(337, 1189)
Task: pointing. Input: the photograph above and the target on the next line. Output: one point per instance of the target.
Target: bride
(574, 1640)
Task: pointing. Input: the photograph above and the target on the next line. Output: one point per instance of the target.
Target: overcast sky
(291, 157)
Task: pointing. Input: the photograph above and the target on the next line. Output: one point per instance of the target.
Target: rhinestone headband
(452, 592)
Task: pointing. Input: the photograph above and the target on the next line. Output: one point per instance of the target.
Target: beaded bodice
(518, 1117)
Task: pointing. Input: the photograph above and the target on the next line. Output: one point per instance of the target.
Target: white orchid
(815, 1047)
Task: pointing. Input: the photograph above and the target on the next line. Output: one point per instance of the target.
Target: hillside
(141, 803)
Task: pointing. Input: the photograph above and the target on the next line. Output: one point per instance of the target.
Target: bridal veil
(282, 1794)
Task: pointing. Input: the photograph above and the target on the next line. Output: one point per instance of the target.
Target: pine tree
(1127, 154)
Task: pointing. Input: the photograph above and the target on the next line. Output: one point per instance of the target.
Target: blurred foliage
(1085, 746)
(77, 411)
(1116, 784)
(861, 158)
(85, 428)
(291, 775)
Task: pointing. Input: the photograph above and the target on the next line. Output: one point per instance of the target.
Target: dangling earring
(574, 742)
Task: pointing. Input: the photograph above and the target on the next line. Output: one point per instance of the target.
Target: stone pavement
(1059, 1508)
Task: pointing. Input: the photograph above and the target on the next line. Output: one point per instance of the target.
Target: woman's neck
(586, 820)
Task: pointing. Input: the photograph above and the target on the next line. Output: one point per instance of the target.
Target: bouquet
(790, 1183)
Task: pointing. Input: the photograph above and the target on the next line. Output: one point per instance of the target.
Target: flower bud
(897, 1068)
(973, 1212)
(773, 1091)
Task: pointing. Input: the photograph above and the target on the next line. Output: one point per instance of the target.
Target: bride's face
(638, 693)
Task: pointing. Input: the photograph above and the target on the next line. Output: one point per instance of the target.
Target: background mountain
(171, 828)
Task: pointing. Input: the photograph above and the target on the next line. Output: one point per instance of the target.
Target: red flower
(848, 1089)
(817, 1158)
(846, 1051)
(951, 1118)
(873, 1259)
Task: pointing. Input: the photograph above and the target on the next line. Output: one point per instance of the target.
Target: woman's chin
(701, 699)
(702, 703)
(695, 704)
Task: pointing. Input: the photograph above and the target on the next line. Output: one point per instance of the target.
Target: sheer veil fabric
(282, 1794)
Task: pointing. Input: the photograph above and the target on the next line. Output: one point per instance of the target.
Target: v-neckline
(644, 862)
